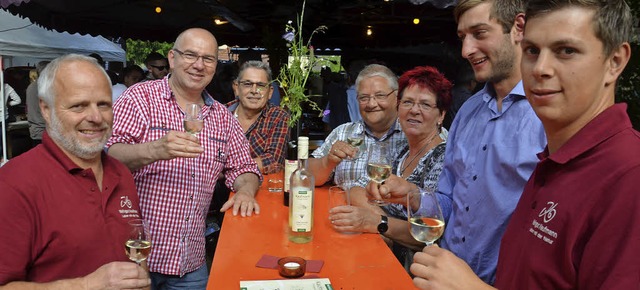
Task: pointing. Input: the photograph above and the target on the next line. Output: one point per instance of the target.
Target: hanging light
(219, 21)
(416, 21)
(369, 31)
(158, 9)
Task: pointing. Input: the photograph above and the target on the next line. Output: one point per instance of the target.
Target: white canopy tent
(21, 38)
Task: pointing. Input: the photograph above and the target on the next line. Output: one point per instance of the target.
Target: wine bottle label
(289, 167)
(302, 206)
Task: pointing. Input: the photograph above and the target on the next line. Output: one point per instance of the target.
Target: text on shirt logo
(540, 230)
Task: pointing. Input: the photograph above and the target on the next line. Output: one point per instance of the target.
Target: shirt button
(191, 197)
(187, 219)
(475, 177)
(93, 189)
(463, 239)
(466, 208)
(484, 148)
(193, 175)
(183, 239)
(84, 174)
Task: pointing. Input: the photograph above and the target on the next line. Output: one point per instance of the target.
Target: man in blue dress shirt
(494, 139)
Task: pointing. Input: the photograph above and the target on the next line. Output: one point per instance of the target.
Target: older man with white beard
(66, 204)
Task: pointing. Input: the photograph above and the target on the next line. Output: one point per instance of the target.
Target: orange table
(360, 261)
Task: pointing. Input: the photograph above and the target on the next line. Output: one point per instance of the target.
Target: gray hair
(376, 70)
(257, 65)
(46, 80)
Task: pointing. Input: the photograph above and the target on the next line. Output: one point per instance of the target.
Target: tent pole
(2, 108)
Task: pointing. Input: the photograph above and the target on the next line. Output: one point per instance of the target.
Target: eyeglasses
(190, 57)
(160, 67)
(408, 105)
(380, 97)
(247, 85)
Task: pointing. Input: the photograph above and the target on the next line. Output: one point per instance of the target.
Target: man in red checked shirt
(264, 124)
(176, 172)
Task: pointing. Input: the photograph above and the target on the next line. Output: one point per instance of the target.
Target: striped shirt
(356, 170)
(268, 135)
(175, 194)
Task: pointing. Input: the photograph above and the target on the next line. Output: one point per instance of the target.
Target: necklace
(403, 168)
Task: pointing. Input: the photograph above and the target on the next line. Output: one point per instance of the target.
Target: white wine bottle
(302, 185)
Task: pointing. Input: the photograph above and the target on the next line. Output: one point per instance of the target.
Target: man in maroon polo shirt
(577, 224)
(65, 204)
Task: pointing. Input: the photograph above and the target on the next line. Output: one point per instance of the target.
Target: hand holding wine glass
(378, 167)
(193, 122)
(426, 222)
(138, 244)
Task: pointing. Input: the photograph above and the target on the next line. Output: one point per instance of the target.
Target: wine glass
(355, 139)
(138, 244)
(193, 119)
(426, 223)
(378, 166)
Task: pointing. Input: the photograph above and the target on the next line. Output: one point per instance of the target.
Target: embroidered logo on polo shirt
(125, 208)
(125, 201)
(550, 213)
(541, 231)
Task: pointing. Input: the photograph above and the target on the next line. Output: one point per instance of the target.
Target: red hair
(427, 77)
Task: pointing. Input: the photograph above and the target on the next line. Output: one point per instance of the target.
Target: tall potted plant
(293, 76)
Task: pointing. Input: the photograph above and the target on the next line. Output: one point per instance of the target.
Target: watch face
(383, 226)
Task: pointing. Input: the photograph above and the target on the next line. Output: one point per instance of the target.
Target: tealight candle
(291, 267)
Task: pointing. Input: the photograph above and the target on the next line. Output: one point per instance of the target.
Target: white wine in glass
(355, 139)
(378, 167)
(426, 223)
(193, 122)
(138, 244)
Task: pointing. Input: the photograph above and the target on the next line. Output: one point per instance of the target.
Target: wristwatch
(383, 226)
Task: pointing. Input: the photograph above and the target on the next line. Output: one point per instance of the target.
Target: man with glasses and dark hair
(175, 171)
(264, 124)
(157, 65)
(377, 92)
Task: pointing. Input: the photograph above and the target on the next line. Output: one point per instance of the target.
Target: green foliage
(137, 50)
(333, 62)
(293, 77)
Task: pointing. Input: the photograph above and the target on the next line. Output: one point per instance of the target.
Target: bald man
(175, 171)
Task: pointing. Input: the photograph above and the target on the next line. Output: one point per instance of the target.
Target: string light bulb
(369, 31)
(158, 9)
(220, 22)
(416, 21)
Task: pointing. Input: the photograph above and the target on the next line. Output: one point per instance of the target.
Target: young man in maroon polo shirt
(577, 224)
(65, 205)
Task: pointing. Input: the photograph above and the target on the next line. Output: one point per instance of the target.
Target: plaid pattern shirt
(356, 170)
(175, 194)
(268, 135)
